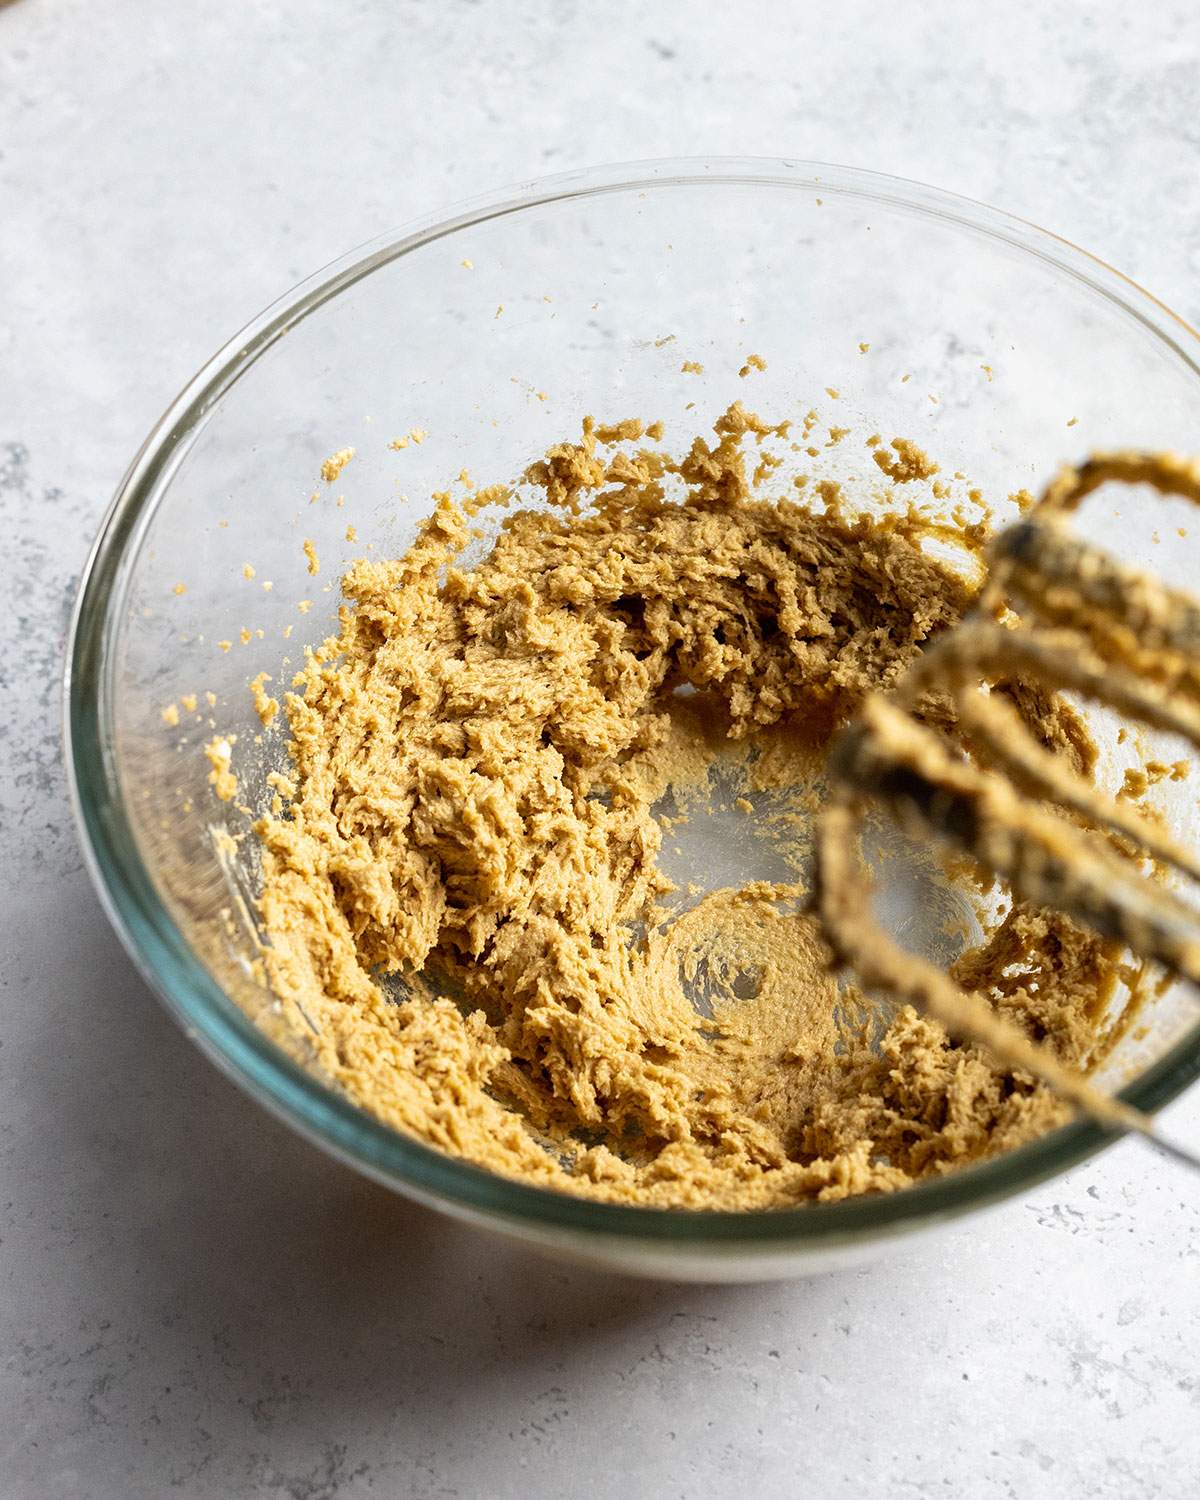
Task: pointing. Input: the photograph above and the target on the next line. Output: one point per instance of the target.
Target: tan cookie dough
(462, 886)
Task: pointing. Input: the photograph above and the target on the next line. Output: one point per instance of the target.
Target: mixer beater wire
(1056, 612)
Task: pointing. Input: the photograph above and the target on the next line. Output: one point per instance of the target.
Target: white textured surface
(191, 1300)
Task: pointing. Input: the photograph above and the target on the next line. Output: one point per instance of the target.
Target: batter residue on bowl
(469, 814)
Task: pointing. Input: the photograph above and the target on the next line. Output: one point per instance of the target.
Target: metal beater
(1062, 614)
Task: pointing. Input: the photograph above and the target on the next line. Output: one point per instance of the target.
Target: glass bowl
(1000, 347)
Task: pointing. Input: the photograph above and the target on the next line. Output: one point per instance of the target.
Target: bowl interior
(473, 346)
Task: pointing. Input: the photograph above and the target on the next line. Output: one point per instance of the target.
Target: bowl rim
(209, 1017)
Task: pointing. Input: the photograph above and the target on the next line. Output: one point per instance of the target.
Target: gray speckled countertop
(193, 1301)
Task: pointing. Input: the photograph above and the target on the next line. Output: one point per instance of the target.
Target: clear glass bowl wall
(494, 333)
